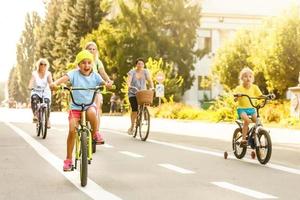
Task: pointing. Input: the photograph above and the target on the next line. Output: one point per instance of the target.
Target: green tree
(26, 56)
(86, 17)
(151, 28)
(232, 57)
(278, 53)
(272, 51)
(47, 31)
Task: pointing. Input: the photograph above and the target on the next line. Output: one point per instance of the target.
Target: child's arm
(63, 79)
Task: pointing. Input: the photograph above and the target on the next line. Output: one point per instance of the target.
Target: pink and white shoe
(68, 165)
(98, 138)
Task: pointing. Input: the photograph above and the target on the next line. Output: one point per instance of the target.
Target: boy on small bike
(245, 109)
(82, 76)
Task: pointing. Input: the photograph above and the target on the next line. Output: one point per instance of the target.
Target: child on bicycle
(82, 76)
(40, 80)
(245, 109)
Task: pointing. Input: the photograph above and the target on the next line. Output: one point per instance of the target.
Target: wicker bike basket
(144, 97)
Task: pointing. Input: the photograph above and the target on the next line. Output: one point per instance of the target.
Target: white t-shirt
(41, 83)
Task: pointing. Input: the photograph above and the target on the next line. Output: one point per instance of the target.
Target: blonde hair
(44, 60)
(91, 43)
(246, 70)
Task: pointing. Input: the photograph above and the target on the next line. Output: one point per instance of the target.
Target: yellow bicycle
(84, 144)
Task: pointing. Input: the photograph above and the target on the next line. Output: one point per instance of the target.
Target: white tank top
(41, 83)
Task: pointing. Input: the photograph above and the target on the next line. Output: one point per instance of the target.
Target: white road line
(108, 146)
(176, 169)
(59, 129)
(246, 191)
(218, 154)
(131, 154)
(92, 189)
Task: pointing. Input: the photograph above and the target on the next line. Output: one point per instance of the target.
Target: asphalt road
(167, 166)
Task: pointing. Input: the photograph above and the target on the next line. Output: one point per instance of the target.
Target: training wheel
(225, 155)
(253, 155)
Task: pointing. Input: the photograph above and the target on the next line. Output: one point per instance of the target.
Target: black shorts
(133, 104)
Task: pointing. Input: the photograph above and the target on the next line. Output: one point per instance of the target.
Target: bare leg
(133, 118)
(98, 102)
(92, 117)
(71, 137)
(247, 121)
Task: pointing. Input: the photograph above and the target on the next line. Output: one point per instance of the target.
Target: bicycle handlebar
(70, 89)
(264, 97)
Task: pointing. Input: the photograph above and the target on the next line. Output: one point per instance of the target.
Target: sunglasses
(43, 64)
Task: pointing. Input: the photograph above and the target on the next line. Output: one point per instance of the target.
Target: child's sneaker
(98, 138)
(68, 165)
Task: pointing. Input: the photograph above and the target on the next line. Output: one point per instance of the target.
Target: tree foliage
(151, 28)
(26, 49)
(272, 51)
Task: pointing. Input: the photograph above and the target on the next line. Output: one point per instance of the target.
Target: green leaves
(272, 51)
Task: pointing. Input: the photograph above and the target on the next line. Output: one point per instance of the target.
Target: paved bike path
(221, 131)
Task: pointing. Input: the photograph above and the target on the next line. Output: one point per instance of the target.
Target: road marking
(92, 189)
(246, 191)
(108, 146)
(176, 169)
(131, 154)
(59, 129)
(218, 154)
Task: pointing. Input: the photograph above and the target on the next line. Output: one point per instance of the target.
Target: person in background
(41, 79)
(99, 68)
(136, 80)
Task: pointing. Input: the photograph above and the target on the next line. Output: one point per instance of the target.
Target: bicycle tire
(238, 151)
(144, 125)
(263, 160)
(83, 158)
(45, 122)
(38, 128)
(137, 122)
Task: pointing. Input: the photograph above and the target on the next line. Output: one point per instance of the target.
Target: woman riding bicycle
(83, 76)
(98, 67)
(137, 79)
(245, 109)
(40, 80)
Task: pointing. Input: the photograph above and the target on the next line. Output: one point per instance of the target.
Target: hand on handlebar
(53, 86)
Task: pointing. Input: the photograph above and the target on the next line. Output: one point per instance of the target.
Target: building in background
(219, 22)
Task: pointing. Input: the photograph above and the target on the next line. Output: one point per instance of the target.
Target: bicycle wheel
(44, 120)
(39, 124)
(137, 122)
(83, 158)
(238, 151)
(144, 125)
(264, 146)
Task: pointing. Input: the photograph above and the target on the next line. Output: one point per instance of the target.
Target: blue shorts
(248, 111)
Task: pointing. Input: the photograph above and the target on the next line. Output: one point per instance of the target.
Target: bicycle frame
(41, 107)
(258, 124)
(83, 124)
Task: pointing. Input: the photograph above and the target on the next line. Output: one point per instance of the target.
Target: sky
(12, 15)
(12, 18)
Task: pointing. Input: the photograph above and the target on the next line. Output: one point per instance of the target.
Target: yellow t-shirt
(253, 91)
(97, 65)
